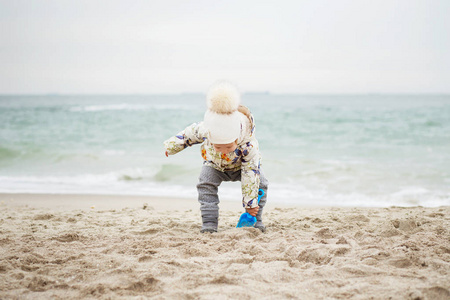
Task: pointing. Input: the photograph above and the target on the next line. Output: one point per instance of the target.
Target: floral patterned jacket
(246, 157)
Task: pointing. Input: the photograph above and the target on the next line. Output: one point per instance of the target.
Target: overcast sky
(166, 46)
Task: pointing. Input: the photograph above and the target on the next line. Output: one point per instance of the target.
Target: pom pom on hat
(222, 118)
(223, 97)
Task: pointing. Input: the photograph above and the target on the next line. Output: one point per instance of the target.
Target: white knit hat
(222, 118)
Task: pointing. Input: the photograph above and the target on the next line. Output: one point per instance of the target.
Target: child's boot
(259, 224)
(210, 221)
(262, 202)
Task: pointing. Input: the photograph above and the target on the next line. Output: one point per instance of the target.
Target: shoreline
(72, 201)
(103, 201)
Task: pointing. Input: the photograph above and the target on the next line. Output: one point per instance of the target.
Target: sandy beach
(108, 247)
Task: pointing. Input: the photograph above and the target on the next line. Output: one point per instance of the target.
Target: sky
(171, 46)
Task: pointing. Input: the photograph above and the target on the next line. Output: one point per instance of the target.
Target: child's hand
(253, 211)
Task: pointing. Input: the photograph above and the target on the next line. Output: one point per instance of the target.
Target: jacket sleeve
(250, 174)
(191, 135)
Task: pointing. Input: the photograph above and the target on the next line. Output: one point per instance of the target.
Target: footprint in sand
(407, 225)
(43, 217)
(437, 293)
(68, 237)
(400, 262)
(325, 233)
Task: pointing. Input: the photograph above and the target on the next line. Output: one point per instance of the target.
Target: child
(230, 152)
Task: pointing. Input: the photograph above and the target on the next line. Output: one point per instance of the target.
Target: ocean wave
(278, 194)
(103, 184)
(157, 175)
(27, 152)
(123, 106)
(112, 152)
(168, 171)
(129, 107)
(7, 153)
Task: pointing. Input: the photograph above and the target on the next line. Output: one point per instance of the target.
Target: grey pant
(208, 186)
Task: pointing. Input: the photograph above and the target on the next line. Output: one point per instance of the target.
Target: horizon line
(243, 93)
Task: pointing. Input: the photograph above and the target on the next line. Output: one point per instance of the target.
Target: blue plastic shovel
(246, 219)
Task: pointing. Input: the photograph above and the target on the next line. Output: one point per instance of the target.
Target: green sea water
(364, 150)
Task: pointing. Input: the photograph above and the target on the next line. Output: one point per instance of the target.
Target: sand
(110, 247)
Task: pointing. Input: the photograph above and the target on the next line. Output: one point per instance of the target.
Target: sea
(370, 150)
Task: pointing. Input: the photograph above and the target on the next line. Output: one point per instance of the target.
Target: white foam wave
(91, 184)
(112, 152)
(112, 183)
(129, 107)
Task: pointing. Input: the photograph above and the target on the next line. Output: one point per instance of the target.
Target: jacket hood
(248, 125)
